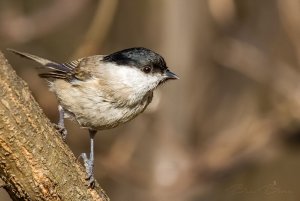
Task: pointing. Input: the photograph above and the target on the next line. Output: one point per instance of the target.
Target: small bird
(103, 91)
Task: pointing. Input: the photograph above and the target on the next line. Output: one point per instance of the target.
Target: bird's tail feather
(45, 62)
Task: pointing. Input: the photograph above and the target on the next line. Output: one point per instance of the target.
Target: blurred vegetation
(229, 129)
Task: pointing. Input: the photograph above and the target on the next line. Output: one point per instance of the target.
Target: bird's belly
(92, 108)
(106, 116)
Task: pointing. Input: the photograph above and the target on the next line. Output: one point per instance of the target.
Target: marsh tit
(102, 91)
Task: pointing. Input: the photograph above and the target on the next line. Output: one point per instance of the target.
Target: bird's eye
(147, 69)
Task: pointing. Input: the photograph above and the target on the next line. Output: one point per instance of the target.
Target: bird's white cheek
(134, 78)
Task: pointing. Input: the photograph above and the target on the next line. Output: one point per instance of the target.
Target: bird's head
(139, 67)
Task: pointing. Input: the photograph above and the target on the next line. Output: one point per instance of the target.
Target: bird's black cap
(138, 57)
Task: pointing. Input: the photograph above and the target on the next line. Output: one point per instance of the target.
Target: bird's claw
(62, 130)
(88, 164)
(91, 181)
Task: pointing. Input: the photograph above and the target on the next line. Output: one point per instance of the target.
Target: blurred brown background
(229, 129)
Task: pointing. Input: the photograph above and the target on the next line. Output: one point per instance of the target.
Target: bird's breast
(96, 108)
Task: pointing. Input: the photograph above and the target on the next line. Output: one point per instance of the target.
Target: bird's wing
(80, 69)
(68, 74)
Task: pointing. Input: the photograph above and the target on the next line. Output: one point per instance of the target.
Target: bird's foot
(62, 130)
(89, 168)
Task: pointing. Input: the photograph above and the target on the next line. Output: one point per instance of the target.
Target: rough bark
(35, 163)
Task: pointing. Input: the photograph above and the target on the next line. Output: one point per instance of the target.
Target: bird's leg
(60, 126)
(89, 162)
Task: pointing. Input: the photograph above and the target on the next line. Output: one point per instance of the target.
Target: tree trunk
(35, 163)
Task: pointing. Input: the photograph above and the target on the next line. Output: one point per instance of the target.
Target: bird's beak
(170, 75)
